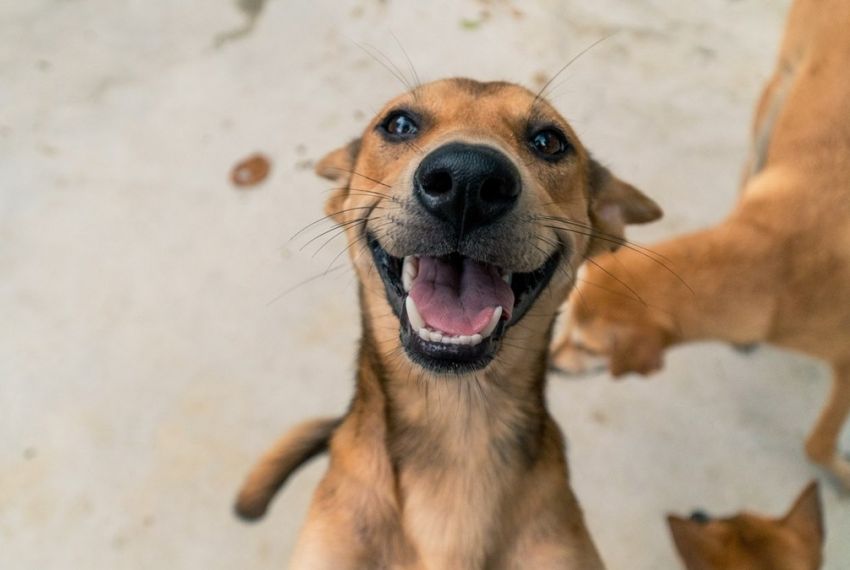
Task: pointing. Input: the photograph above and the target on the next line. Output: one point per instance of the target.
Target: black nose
(700, 516)
(467, 186)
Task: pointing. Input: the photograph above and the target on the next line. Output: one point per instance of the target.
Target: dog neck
(456, 415)
(454, 448)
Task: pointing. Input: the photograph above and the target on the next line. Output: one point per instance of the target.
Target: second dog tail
(300, 444)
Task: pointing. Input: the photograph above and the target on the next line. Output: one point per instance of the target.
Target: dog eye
(400, 125)
(549, 143)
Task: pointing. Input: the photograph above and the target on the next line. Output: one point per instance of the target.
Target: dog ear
(806, 516)
(337, 166)
(637, 350)
(694, 543)
(613, 204)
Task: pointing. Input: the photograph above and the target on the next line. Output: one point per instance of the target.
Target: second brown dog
(777, 270)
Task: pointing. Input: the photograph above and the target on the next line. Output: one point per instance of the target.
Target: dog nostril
(495, 190)
(437, 182)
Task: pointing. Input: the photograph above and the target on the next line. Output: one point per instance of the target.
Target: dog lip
(528, 286)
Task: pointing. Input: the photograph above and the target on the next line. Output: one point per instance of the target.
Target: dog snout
(700, 516)
(467, 186)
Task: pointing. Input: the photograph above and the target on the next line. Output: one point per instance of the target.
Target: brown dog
(467, 205)
(777, 270)
(751, 542)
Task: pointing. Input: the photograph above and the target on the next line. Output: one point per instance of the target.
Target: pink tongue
(459, 299)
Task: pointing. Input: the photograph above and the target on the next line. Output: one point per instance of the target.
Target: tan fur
(777, 270)
(462, 471)
(299, 445)
(753, 542)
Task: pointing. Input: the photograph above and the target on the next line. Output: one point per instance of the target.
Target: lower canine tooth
(424, 334)
(491, 326)
(413, 316)
(475, 339)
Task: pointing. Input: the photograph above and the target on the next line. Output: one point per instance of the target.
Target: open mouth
(455, 310)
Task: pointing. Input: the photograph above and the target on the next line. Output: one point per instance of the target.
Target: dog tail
(299, 445)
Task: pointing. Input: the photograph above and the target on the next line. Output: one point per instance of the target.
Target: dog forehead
(458, 91)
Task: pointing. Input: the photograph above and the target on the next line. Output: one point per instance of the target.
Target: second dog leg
(822, 443)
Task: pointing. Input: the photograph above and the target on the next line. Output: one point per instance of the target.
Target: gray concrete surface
(147, 354)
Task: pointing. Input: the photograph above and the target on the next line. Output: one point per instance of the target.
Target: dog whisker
(329, 217)
(608, 237)
(336, 226)
(341, 229)
(541, 93)
(386, 64)
(627, 245)
(588, 227)
(361, 175)
(416, 78)
(629, 288)
(304, 282)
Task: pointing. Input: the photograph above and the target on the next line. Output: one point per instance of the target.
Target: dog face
(751, 542)
(463, 203)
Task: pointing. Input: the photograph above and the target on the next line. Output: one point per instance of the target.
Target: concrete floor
(151, 346)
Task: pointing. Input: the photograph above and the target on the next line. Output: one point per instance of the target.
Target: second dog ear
(806, 516)
(694, 542)
(615, 203)
(338, 165)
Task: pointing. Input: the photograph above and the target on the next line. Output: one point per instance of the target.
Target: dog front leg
(822, 443)
(325, 545)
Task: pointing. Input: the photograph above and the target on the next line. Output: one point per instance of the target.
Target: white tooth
(507, 277)
(475, 339)
(451, 340)
(436, 337)
(494, 320)
(416, 320)
(424, 334)
(409, 270)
